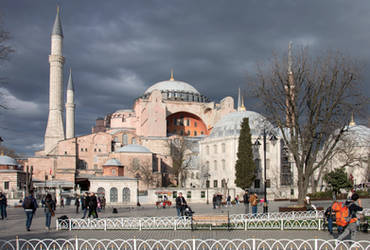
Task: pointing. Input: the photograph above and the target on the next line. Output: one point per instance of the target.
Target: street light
(138, 177)
(273, 139)
(207, 175)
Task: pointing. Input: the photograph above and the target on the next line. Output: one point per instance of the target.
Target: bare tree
(310, 101)
(145, 170)
(180, 153)
(5, 50)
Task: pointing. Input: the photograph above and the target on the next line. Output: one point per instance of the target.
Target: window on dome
(195, 124)
(201, 133)
(187, 122)
(195, 133)
(124, 139)
(6, 185)
(114, 172)
(188, 133)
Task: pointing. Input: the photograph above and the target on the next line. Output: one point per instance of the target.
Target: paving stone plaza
(15, 225)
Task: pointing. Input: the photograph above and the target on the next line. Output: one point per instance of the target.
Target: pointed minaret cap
(242, 107)
(171, 78)
(57, 28)
(290, 59)
(352, 122)
(70, 82)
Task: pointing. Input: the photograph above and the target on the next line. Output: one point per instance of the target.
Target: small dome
(359, 134)
(172, 85)
(6, 160)
(229, 125)
(113, 162)
(133, 148)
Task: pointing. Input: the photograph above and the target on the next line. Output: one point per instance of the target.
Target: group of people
(90, 203)
(251, 199)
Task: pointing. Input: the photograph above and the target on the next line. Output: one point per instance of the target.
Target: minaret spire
(290, 60)
(242, 107)
(171, 78)
(290, 91)
(238, 108)
(55, 128)
(70, 108)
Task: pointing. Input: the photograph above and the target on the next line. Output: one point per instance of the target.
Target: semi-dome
(229, 125)
(172, 85)
(6, 160)
(113, 162)
(133, 148)
(359, 134)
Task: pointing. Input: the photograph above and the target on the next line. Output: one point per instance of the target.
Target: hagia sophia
(112, 159)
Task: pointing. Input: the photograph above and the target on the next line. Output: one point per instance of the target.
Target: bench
(210, 220)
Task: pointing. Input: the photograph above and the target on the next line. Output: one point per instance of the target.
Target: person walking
(214, 201)
(61, 202)
(330, 217)
(77, 203)
(85, 203)
(93, 205)
(103, 203)
(49, 210)
(246, 201)
(180, 205)
(228, 201)
(30, 206)
(3, 205)
(253, 200)
(351, 228)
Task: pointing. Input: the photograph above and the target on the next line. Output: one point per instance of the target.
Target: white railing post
(293, 215)
(253, 243)
(57, 224)
(194, 244)
(105, 224)
(70, 224)
(175, 225)
(319, 224)
(122, 223)
(282, 224)
(76, 243)
(316, 245)
(139, 224)
(135, 246)
(17, 242)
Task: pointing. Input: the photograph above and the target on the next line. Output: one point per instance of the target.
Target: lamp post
(273, 139)
(207, 175)
(138, 177)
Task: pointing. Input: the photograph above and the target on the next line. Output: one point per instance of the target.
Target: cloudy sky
(118, 48)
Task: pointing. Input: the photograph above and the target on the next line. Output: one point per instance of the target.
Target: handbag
(52, 213)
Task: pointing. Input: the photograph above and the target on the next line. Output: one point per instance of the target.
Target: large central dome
(176, 91)
(172, 85)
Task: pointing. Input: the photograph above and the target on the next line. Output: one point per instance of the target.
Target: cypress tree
(245, 166)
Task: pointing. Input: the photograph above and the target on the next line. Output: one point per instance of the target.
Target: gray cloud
(117, 49)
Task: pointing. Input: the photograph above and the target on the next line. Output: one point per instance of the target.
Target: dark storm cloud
(117, 49)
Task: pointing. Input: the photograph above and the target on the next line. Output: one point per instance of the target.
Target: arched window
(223, 164)
(223, 148)
(215, 165)
(113, 194)
(100, 192)
(124, 139)
(126, 195)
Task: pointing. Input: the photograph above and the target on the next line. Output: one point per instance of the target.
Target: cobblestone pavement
(15, 225)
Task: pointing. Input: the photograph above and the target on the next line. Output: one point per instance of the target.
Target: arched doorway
(113, 194)
(100, 192)
(126, 195)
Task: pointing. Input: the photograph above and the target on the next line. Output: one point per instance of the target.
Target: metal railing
(186, 244)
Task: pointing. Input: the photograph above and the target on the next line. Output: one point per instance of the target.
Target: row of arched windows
(215, 149)
(215, 165)
(113, 194)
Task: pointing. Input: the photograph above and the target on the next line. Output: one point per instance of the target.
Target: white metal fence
(185, 244)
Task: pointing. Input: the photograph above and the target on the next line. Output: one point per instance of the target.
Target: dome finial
(352, 122)
(242, 107)
(172, 79)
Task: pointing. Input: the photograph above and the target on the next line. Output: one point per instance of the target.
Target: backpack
(342, 215)
(28, 203)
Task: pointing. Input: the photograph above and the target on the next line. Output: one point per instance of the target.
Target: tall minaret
(54, 129)
(290, 91)
(238, 108)
(70, 108)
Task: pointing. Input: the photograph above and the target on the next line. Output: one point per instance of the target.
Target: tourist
(180, 205)
(77, 203)
(246, 201)
(49, 210)
(103, 201)
(330, 217)
(237, 200)
(61, 202)
(253, 200)
(219, 199)
(85, 203)
(93, 205)
(228, 201)
(351, 228)
(3, 205)
(214, 201)
(30, 205)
